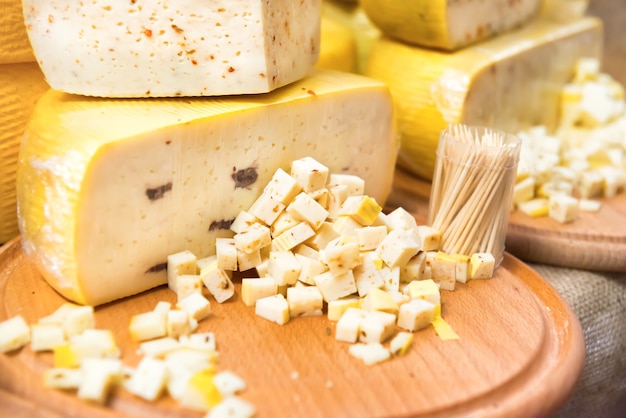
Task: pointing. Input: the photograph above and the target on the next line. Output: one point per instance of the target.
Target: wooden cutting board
(594, 241)
(520, 353)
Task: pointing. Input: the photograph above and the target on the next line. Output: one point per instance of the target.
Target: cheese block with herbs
(20, 86)
(173, 48)
(14, 45)
(510, 82)
(108, 188)
(448, 25)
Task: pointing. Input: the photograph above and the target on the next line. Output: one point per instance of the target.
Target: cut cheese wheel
(108, 188)
(20, 87)
(173, 48)
(510, 83)
(446, 24)
(338, 49)
(14, 44)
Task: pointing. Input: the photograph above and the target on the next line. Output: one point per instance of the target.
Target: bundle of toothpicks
(472, 189)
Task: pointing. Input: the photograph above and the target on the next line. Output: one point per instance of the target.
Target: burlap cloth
(599, 302)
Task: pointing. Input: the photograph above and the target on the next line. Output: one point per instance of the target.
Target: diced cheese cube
(416, 315)
(292, 237)
(178, 323)
(346, 225)
(204, 341)
(414, 268)
(325, 234)
(400, 218)
(14, 333)
(321, 197)
(335, 286)
(377, 326)
(362, 209)
(367, 275)
(186, 284)
(266, 209)
(400, 343)
(309, 173)
(283, 222)
(524, 190)
(159, 347)
(462, 273)
(196, 305)
(370, 237)
(444, 270)
(379, 300)
(226, 252)
(482, 265)
(243, 221)
(397, 248)
(309, 268)
(253, 239)
(429, 238)
(253, 289)
(591, 184)
(424, 289)
(65, 357)
(247, 261)
(341, 254)
(370, 353)
(349, 325)
(62, 378)
(273, 308)
(148, 325)
(58, 316)
(183, 262)
(535, 208)
(99, 376)
(216, 279)
(563, 208)
(232, 407)
(162, 307)
(391, 278)
(228, 383)
(283, 266)
(94, 343)
(355, 184)
(306, 209)
(304, 301)
(46, 337)
(337, 194)
(282, 187)
(200, 392)
(149, 379)
(337, 307)
(588, 205)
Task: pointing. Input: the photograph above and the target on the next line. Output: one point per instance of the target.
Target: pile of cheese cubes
(585, 159)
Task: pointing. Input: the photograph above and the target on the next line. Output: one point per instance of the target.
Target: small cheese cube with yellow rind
(416, 315)
(482, 265)
(216, 279)
(397, 248)
(46, 336)
(62, 378)
(266, 209)
(462, 273)
(148, 325)
(159, 347)
(253, 239)
(335, 286)
(371, 353)
(424, 289)
(304, 301)
(182, 262)
(414, 268)
(370, 237)
(186, 284)
(306, 209)
(282, 187)
(200, 393)
(309, 173)
(367, 275)
(362, 209)
(273, 308)
(324, 234)
(563, 208)
(149, 379)
(232, 407)
(293, 236)
(196, 305)
(247, 261)
(349, 325)
(341, 254)
(377, 326)
(99, 376)
(178, 323)
(65, 357)
(283, 266)
(243, 221)
(14, 333)
(337, 307)
(253, 289)
(400, 343)
(309, 268)
(379, 300)
(226, 252)
(346, 225)
(337, 194)
(535, 208)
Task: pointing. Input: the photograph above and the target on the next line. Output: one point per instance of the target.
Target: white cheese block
(173, 48)
(14, 44)
(108, 188)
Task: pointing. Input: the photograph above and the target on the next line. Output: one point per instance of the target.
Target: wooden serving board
(520, 353)
(594, 241)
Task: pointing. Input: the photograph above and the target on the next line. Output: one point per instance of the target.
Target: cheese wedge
(446, 24)
(338, 49)
(173, 48)
(14, 44)
(510, 82)
(20, 87)
(108, 188)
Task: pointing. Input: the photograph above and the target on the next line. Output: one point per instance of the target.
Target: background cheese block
(446, 24)
(173, 48)
(108, 188)
(564, 10)
(14, 44)
(20, 87)
(338, 48)
(510, 82)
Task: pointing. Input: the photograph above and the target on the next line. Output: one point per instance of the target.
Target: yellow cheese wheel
(446, 24)
(20, 87)
(108, 188)
(337, 46)
(14, 44)
(509, 82)
(564, 10)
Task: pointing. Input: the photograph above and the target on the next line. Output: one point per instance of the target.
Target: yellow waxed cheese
(338, 47)
(108, 188)
(178, 48)
(446, 24)
(14, 44)
(509, 82)
(20, 87)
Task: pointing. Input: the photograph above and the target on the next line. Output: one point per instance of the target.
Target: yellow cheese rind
(14, 44)
(338, 48)
(447, 25)
(108, 188)
(20, 87)
(509, 83)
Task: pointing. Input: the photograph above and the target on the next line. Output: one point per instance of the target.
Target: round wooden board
(520, 353)
(594, 241)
